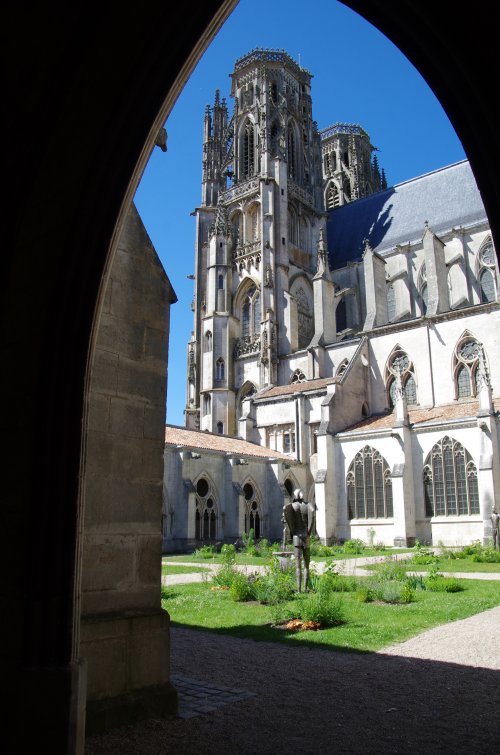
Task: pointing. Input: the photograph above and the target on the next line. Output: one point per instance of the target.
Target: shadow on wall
(348, 227)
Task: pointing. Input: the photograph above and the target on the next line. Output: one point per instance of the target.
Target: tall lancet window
(248, 150)
(450, 480)
(305, 318)
(291, 153)
(369, 486)
(486, 273)
(250, 314)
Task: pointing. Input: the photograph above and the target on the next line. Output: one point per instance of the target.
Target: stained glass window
(369, 486)
(450, 480)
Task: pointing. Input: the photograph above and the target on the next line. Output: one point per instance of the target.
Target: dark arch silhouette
(73, 77)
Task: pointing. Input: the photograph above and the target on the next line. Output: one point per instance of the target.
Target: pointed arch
(206, 509)
(253, 518)
(302, 292)
(290, 485)
(369, 486)
(450, 480)
(465, 365)
(486, 272)
(252, 225)
(247, 144)
(292, 225)
(342, 368)
(291, 146)
(398, 363)
(332, 195)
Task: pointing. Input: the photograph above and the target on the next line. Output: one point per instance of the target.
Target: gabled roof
(205, 441)
(445, 198)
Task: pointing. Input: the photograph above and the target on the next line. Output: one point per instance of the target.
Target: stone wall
(124, 632)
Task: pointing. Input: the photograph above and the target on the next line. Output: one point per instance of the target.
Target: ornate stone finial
(483, 375)
(367, 246)
(217, 97)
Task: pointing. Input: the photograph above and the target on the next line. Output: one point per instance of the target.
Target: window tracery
(304, 317)
(450, 480)
(465, 366)
(298, 377)
(369, 486)
(248, 150)
(253, 510)
(206, 513)
(399, 364)
(220, 369)
(486, 273)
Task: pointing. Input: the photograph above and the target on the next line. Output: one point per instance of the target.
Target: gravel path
(436, 693)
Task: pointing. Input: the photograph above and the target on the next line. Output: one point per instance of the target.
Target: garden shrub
(364, 594)
(391, 570)
(205, 551)
(439, 583)
(331, 581)
(228, 554)
(275, 586)
(242, 588)
(355, 546)
(325, 609)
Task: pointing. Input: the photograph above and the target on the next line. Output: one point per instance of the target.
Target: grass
(368, 626)
(245, 560)
(457, 565)
(167, 569)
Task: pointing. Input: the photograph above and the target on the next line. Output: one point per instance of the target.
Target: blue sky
(359, 76)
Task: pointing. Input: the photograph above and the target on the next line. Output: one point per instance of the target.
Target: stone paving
(197, 697)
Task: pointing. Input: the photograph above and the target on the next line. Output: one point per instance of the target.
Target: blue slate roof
(446, 198)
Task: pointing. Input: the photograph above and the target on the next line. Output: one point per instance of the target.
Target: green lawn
(458, 565)
(172, 569)
(244, 560)
(368, 627)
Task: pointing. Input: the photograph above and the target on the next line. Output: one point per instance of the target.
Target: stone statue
(495, 518)
(300, 518)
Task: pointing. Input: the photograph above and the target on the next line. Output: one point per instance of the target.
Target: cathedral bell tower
(257, 233)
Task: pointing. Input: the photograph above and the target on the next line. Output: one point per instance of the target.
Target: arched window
(341, 315)
(205, 512)
(274, 139)
(237, 223)
(220, 369)
(342, 368)
(250, 314)
(253, 510)
(399, 364)
(332, 197)
(220, 282)
(207, 403)
(465, 366)
(291, 154)
(208, 341)
(298, 377)
(220, 428)
(369, 486)
(253, 224)
(391, 302)
(248, 150)
(486, 272)
(303, 240)
(450, 480)
(305, 318)
(289, 486)
(292, 227)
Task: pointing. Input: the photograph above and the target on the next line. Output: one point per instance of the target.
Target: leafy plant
(205, 551)
(353, 546)
(275, 586)
(228, 554)
(242, 588)
(391, 570)
(323, 608)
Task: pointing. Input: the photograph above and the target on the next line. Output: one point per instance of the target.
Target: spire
(383, 181)
(483, 382)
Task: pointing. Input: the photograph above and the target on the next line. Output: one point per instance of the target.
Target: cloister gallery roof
(446, 413)
(446, 198)
(205, 441)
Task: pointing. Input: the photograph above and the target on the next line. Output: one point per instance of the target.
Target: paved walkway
(348, 566)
